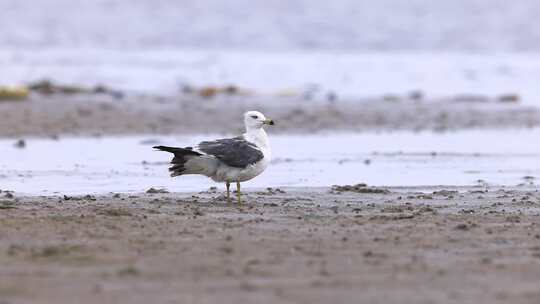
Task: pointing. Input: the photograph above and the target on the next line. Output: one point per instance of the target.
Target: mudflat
(292, 245)
(98, 114)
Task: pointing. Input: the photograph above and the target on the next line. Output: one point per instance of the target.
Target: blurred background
(401, 82)
(356, 48)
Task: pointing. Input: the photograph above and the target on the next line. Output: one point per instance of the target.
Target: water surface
(128, 164)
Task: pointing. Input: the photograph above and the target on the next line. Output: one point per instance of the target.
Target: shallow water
(128, 164)
(384, 25)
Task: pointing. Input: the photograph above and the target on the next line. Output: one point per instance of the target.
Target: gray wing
(234, 152)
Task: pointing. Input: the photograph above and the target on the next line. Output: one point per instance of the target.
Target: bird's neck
(257, 136)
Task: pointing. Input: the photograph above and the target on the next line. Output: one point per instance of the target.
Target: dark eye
(254, 116)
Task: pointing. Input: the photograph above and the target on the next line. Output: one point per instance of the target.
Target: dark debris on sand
(359, 188)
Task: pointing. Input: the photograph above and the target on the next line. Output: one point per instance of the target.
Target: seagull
(228, 160)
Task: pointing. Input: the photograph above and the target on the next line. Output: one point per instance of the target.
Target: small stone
(462, 227)
(154, 191)
(21, 144)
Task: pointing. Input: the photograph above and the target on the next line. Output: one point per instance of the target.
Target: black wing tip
(177, 151)
(165, 148)
(168, 148)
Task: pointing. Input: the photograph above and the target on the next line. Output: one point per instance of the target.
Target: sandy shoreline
(99, 114)
(299, 245)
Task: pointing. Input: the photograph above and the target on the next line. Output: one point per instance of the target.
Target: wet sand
(101, 114)
(292, 245)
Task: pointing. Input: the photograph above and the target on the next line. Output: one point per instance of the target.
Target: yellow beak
(269, 122)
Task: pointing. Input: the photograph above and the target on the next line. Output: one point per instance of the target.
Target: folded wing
(235, 152)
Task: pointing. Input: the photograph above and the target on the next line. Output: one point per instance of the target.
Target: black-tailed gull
(228, 160)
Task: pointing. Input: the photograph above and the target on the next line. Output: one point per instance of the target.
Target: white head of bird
(255, 120)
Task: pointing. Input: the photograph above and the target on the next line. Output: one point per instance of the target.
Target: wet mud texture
(100, 114)
(404, 245)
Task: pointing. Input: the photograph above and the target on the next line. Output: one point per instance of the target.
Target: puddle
(128, 164)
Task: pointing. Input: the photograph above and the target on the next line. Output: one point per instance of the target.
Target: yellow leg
(228, 192)
(238, 193)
